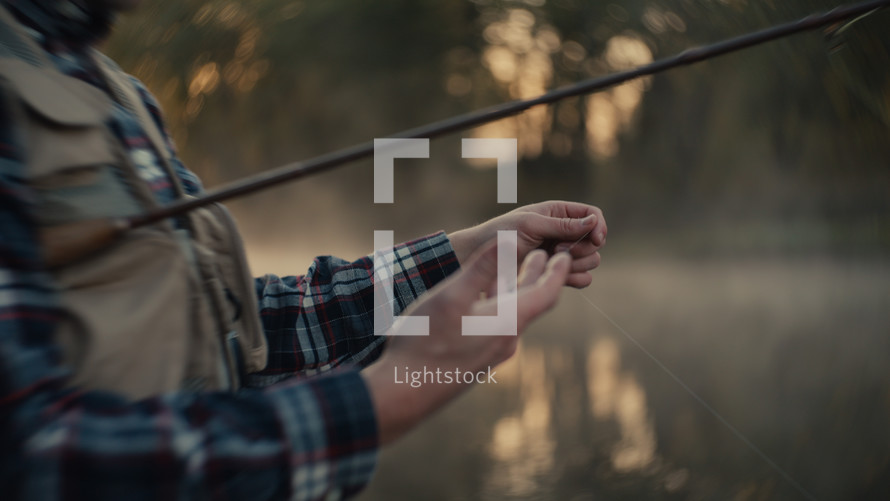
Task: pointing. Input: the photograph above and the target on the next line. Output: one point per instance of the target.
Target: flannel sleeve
(325, 318)
(304, 440)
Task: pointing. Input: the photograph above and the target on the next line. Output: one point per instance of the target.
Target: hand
(553, 226)
(397, 405)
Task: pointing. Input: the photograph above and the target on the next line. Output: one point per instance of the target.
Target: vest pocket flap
(59, 99)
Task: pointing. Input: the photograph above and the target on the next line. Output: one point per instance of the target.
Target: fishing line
(576, 242)
(735, 431)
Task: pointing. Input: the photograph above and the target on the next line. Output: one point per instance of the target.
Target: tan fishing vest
(164, 307)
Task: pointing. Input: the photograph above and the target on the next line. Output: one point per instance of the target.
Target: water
(793, 353)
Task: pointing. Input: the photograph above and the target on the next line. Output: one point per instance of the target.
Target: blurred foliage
(772, 133)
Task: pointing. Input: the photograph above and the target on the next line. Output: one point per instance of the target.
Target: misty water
(791, 352)
(790, 349)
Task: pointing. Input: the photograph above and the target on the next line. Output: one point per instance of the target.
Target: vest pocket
(76, 194)
(128, 316)
(70, 153)
(76, 186)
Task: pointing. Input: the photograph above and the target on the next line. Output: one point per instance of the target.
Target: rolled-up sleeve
(325, 318)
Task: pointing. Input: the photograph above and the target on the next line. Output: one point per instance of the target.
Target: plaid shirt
(303, 438)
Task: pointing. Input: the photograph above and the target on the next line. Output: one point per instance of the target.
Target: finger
(600, 231)
(578, 248)
(579, 280)
(586, 263)
(541, 296)
(598, 234)
(532, 267)
(562, 208)
(557, 228)
(578, 210)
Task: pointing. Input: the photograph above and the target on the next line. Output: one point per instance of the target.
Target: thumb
(559, 228)
(539, 297)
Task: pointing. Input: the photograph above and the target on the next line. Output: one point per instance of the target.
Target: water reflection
(618, 395)
(522, 444)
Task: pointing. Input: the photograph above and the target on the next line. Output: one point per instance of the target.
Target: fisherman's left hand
(554, 226)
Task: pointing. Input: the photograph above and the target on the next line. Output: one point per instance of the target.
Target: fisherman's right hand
(399, 406)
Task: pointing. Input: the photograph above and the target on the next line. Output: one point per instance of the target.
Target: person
(154, 367)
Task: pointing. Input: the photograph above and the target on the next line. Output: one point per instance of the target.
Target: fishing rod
(104, 231)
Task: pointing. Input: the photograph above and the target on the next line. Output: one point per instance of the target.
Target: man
(153, 367)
